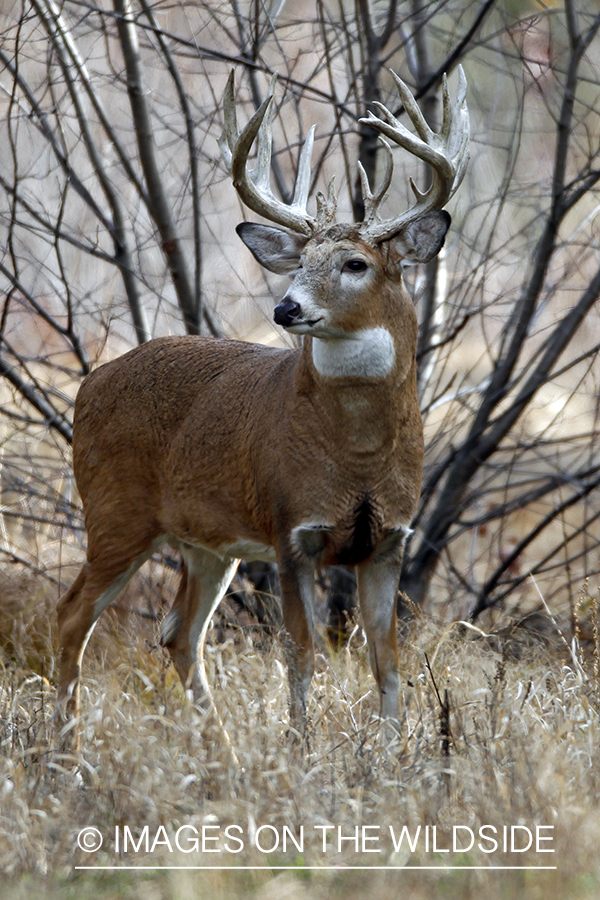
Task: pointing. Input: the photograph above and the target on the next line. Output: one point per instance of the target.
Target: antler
(253, 186)
(447, 152)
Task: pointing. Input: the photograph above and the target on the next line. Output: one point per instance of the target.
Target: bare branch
(157, 200)
(51, 416)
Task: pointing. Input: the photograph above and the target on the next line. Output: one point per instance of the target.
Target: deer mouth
(302, 326)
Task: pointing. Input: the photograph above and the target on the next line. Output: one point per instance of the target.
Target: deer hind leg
(205, 578)
(99, 582)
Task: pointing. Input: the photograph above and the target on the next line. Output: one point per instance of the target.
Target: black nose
(286, 312)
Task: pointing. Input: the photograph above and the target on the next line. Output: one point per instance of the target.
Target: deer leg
(377, 590)
(297, 597)
(99, 582)
(205, 578)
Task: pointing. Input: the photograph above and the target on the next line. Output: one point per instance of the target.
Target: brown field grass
(516, 746)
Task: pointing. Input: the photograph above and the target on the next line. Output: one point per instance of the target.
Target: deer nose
(286, 312)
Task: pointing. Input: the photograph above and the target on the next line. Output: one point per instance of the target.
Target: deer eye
(354, 265)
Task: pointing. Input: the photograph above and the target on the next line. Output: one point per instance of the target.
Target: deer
(306, 456)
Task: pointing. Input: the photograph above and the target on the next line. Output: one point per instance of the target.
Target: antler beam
(253, 185)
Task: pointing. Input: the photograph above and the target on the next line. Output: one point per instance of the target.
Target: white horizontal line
(339, 868)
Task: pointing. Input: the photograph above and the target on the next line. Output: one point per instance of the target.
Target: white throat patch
(368, 353)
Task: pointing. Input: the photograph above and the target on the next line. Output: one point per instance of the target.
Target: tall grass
(500, 730)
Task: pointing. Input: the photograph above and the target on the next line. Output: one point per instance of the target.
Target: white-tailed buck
(229, 450)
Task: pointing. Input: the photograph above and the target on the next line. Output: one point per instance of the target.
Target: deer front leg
(297, 581)
(378, 580)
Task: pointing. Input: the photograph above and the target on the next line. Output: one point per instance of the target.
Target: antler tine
(458, 125)
(261, 171)
(373, 200)
(230, 132)
(446, 152)
(326, 205)
(253, 186)
(302, 186)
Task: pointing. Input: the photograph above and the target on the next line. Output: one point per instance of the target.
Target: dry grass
(517, 747)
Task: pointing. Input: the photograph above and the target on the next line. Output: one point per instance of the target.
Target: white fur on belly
(368, 353)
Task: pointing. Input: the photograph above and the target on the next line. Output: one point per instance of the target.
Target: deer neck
(369, 353)
(353, 384)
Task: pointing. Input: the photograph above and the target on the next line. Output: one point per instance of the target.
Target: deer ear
(421, 240)
(275, 249)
